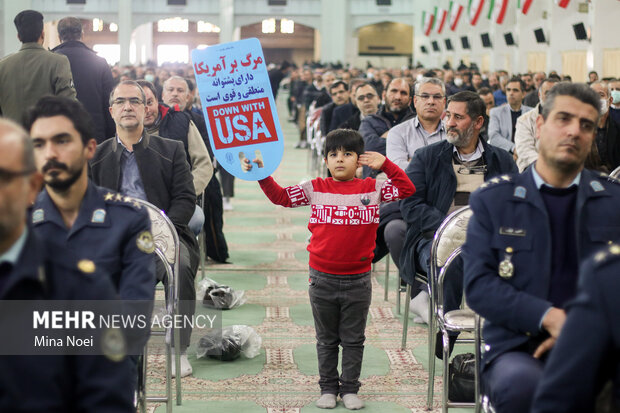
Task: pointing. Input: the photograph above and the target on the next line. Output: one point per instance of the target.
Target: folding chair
(167, 248)
(446, 247)
(201, 240)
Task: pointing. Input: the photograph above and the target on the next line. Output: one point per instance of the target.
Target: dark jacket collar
(71, 43)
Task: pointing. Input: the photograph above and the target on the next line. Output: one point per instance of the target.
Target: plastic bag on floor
(229, 343)
(220, 297)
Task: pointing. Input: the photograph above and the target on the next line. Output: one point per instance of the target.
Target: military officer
(106, 227)
(31, 269)
(586, 353)
(525, 241)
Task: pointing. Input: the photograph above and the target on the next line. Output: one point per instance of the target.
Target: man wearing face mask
(614, 110)
(605, 154)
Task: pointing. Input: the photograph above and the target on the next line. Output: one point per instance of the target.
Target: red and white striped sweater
(344, 217)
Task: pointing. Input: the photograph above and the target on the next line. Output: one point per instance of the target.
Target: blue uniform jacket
(432, 173)
(109, 230)
(60, 384)
(586, 354)
(511, 213)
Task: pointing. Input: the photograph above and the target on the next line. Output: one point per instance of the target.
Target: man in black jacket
(91, 75)
(154, 169)
(445, 174)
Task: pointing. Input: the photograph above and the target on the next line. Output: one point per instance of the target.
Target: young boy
(343, 223)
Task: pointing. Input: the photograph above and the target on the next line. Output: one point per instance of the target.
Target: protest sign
(239, 108)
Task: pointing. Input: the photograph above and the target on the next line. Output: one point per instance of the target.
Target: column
(142, 37)
(334, 30)
(10, 9)
(227, 22)
(125, 28)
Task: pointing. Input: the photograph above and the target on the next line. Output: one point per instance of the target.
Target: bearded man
(445, 174)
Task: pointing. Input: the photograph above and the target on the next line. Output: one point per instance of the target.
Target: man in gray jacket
(32, 72)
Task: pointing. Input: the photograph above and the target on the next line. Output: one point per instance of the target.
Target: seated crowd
(109, 135)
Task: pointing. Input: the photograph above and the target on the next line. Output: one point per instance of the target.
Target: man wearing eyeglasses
(403, 140)
(154, 169)
(446, 173)
(367, 102)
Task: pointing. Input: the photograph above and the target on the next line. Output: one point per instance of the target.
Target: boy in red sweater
(343, 223)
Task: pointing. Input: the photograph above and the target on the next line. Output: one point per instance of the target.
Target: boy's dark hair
(345, 139)
(29, 24)
(49, 106)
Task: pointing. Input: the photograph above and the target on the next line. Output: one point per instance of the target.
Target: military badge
(520, 192)
(38, 216)
(98, 216)
(597, 186)
(145, 243)
(86, 266)
(506, 267)
(113, 344)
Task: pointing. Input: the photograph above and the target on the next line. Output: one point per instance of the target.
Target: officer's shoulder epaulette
(115, 198)
(496, 181)
(606, 255)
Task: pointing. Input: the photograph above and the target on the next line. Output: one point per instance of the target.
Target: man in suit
(91, 74)
(585, 355)
(154, 169)
(526, 239)
(32, 72)
(504, 118)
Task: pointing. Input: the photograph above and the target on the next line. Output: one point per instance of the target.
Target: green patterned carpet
(269, 261)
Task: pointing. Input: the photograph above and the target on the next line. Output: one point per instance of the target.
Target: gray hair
(606, 86)
(176, 78)
(432, 81)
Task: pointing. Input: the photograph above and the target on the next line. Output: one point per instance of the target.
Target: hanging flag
(441, 19)
(562, 3)
(474, 9)
(428, 21)
(524, 5)
(497, 10)
(455, 14)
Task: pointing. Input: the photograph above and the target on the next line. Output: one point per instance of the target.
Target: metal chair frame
(437, 316)
(202, 241)
(484, 403)
(167, 248)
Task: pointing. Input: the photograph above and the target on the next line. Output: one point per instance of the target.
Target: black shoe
(439, 345)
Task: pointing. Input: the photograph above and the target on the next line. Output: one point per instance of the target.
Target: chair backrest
(164, 233)
(450, 235)
(615, 173)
